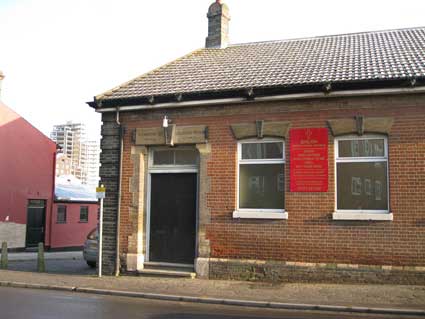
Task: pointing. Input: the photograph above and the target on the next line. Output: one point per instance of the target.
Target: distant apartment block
(82, 156)
(63, 165)
(92, 150)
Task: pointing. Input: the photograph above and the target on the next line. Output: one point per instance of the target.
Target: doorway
(173, 218)
(36, 218)
(172, 207)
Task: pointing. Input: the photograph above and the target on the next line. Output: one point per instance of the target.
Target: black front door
(173, 218)
(36, 217)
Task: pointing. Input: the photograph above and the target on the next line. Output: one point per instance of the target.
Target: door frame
(44, 222)
(169, 169)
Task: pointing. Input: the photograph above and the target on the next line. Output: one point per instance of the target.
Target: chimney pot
(218, 25)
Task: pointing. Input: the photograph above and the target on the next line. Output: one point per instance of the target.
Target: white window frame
(361, 214)
(258, 213)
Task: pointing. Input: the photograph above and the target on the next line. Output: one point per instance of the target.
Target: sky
(58, 54)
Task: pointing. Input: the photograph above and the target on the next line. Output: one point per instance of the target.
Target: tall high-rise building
(83, 155)
(64, 137)
(92, 162)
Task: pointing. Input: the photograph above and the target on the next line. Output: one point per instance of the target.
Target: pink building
(27, 167)
(75, 213)
(72, 222)
(30, 212)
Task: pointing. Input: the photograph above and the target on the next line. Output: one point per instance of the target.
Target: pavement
(65, 255)
(67, 271)
(55, 266)
(378, 299)
(41, 304)
(70, 263)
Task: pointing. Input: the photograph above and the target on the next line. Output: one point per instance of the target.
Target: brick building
(287, 160)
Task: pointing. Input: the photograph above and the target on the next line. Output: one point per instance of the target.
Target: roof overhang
(75, 201)
(261, 94)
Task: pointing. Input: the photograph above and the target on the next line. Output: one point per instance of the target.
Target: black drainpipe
(119, 179)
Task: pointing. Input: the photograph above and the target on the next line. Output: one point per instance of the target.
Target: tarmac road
(16, 303)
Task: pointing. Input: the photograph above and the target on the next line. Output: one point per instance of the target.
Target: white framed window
(261, 179)
(361, 178)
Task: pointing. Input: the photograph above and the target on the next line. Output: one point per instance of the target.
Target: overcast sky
(58, 54)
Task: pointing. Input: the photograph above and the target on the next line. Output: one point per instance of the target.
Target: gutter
(296, 96)
(71, 201)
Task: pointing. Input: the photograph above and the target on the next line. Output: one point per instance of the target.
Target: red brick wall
(310, 234)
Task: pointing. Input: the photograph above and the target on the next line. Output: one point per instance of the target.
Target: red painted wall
(73, 233)
(26, 167)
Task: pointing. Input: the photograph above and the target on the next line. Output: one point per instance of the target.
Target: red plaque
(309, 160)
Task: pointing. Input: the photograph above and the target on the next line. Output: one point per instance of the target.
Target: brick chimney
(218, 25)
(1, 80)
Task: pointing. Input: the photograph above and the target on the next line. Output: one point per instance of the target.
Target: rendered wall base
(135, 262)
(14, 234)
(256, 270)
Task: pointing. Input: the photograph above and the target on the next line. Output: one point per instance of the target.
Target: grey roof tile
(380, 55)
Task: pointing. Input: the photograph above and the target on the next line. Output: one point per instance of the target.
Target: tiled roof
(381, 55)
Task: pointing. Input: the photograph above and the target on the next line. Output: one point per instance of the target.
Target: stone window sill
(362, 216)
(258, 214)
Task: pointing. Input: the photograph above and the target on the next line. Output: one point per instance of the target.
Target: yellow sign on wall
(100, 192)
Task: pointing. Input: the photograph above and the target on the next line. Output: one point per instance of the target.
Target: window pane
(362, 185)
(165, 157)
(261, 186)
(262, 150)
(186, 157)
(84, 214)
(61, 218)
(175, 157)
(361, 148)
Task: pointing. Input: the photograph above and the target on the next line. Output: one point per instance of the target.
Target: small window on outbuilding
(84, 214)
(61, 214)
